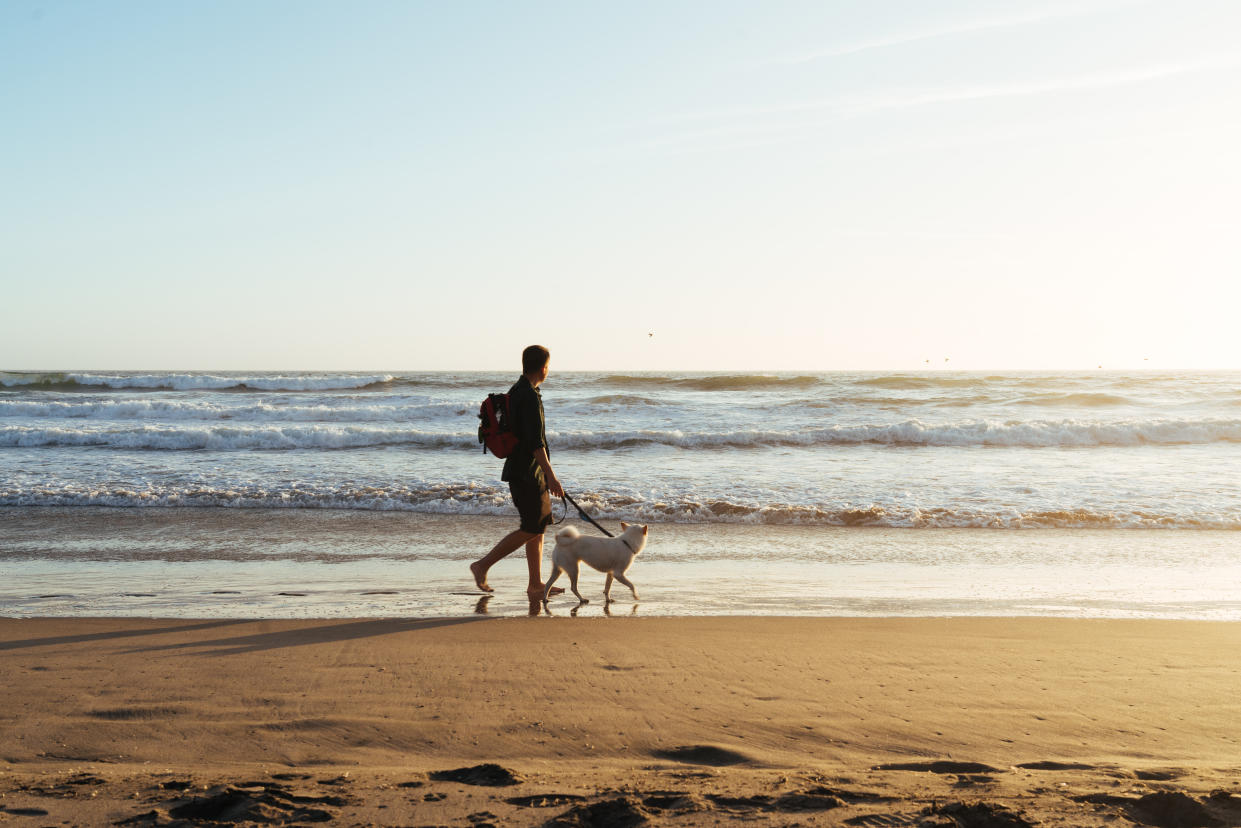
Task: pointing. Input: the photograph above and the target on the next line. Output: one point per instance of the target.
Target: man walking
(528, 473)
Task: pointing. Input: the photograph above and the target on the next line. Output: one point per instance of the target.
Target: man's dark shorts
(533, 503)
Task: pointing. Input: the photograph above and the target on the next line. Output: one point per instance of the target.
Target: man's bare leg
(507, 545)
(534, 564)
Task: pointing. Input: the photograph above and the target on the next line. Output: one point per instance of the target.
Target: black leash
(581, 513)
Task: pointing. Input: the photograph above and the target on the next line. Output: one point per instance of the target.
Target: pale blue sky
(774, 185)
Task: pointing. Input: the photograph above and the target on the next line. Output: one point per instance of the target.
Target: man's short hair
(534, 358)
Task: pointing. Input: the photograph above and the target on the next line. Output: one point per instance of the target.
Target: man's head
(534, 361)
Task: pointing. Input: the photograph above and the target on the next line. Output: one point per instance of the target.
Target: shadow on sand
(307, 634)
(106, 636)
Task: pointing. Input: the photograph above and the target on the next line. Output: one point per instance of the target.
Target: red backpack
(495, 428)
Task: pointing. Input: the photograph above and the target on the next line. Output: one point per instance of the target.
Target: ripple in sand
(129, 714)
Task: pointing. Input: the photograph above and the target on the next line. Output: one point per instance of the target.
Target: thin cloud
(968, 27)
(781, 123)
(1081, 83)
(871, 102)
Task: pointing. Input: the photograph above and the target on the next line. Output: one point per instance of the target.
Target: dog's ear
(624, 526)
(644, 528)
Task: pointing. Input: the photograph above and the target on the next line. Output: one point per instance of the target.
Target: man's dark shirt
(525, 409)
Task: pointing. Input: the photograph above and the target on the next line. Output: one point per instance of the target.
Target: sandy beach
(620, 721)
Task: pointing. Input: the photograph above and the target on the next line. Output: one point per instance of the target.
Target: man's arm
(553, 482)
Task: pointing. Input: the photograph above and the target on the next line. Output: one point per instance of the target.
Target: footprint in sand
(942, 766)
(251, 802)
(488, 775)
(1054, 766)
(1172, 809)
(622, 812)
(550, 800)
(884, 820)
(703, 755)
(816, 799)
(981, 815)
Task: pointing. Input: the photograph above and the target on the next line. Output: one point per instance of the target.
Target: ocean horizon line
(635, 370)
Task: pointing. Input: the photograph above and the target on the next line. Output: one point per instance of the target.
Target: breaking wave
(1047, 434)
(1097, 400)
(911, 382)
(622, 400)
(731, 382)
(1043, 434)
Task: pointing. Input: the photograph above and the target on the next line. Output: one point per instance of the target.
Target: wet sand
(620, 721)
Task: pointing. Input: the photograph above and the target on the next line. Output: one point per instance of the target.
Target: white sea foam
(232, 438)
(485, 499)
(195, 381)
(156, 409)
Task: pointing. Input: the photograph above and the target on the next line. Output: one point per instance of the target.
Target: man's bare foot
(537, 592)
(480, 578)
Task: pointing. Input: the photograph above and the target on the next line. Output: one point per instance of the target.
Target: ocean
(201, 494)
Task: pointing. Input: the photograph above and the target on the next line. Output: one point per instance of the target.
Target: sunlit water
(850, 493)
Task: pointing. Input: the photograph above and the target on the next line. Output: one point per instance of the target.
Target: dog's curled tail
(569, 533)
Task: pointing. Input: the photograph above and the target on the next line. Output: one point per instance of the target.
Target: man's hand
(553, 485)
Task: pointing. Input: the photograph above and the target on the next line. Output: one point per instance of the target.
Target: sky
(776, 185)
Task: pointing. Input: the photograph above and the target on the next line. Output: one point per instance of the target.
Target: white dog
(610, 555)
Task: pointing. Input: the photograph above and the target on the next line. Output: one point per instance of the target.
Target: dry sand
(620, 721)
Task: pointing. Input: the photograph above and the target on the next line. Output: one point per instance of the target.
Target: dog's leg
(625, 581)
(547, 590)
(572, 569)
(607, 589)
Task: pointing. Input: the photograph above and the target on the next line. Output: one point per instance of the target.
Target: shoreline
(621, 708)
(240, 563)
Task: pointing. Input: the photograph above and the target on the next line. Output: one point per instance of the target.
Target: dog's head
(635, 535)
